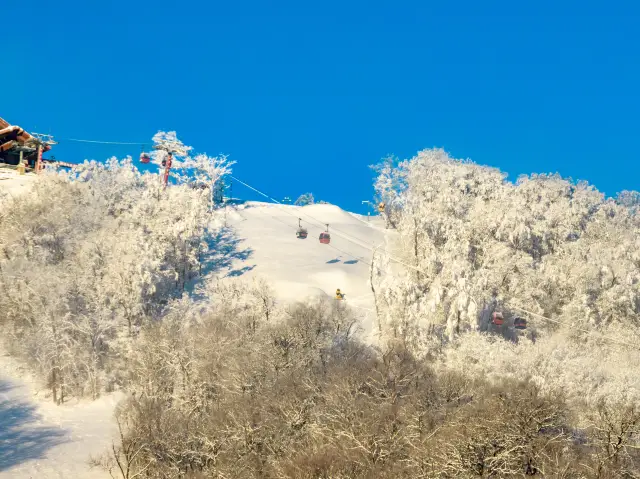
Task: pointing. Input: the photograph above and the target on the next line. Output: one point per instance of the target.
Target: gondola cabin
(325, 238)
(301, 233)
(497, 319)
(520, 323)
(145, 158)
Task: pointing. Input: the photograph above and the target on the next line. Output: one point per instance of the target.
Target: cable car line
(417, 269)
(358, 242)
(104, 142)
(335, 229)
(634, 346)
(281, 204)
(359, 258)
(288, 212)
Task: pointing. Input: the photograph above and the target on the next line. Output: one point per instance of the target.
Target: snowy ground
(12, 183)
(41, 440)
(297, 268)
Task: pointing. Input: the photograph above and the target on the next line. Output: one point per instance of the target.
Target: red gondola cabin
(145, 158)
(301, 233)
(325, 238)
(497, 319)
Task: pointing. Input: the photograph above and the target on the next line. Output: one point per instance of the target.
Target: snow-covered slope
(12, 184)
(298, 269)
(39, 439)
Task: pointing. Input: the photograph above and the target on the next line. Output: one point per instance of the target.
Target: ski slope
(298, 269)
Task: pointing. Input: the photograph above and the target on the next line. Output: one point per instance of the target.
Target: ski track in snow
(41, 440)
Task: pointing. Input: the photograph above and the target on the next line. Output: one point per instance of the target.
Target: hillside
(60, 438)
(12, 184)
(298, 269)
(95, 302)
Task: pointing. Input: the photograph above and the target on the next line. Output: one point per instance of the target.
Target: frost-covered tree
(165, 142)
(558, 253)
(304, 199)
(102, 251)
(477, 242)
(389, 186)
(206, 172)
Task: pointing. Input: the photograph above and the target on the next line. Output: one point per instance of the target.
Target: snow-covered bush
(305, 199)
(89, 256)
(476, 242)
(556, 252)
(303, 398)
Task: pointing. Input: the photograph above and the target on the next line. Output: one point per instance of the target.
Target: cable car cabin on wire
(497, 319)
(145, 158)
(301, 233)
(325, 237)
(520, 323)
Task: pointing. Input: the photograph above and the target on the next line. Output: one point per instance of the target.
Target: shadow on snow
(239, 272)
(337, 260)
(222, 251)
(22, 438)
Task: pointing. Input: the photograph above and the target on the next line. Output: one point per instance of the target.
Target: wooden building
(16, 143)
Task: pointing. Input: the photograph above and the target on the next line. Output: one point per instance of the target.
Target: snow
(12, 183)
(299, 269)
(40, 439)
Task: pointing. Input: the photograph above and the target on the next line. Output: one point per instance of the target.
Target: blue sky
(305, 95)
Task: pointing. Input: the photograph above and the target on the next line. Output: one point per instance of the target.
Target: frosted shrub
(89, 256)
(478, 243)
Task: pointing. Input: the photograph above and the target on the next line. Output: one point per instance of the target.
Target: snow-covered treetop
(305, 199)
(169, 142)
(544, 243)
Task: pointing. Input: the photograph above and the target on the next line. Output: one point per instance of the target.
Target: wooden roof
(18, 135)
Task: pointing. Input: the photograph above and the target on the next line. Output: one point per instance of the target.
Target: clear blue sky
(305, 95)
